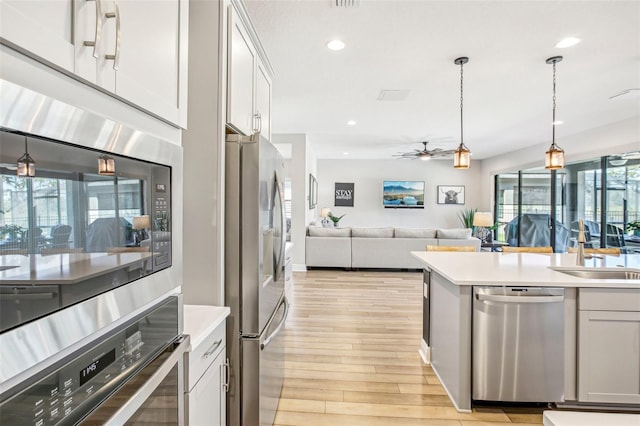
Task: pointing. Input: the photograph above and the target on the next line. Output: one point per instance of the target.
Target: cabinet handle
(116, 56)
(258, 121)
(213, 348)
(96, 39)
(227, 375)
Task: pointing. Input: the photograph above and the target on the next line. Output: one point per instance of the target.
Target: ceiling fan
(424, 154)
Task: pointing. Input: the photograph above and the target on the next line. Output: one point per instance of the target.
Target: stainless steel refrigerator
(254, 278)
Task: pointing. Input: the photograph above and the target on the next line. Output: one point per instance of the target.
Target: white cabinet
(207, 399)
(133, 49)
(248, 81)
(609, 346)
(207, 378)
(241, 64)
(44, 29)
(263, 100)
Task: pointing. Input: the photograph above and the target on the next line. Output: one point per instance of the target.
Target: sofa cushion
(454, 234)
(415, 233)
(319, 231)
(372, 232)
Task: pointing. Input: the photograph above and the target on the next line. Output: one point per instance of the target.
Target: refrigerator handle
(519, 299)
(279, 327)
(283, 237)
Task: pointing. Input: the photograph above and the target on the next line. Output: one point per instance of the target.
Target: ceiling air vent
(345, 3)
(393, 95)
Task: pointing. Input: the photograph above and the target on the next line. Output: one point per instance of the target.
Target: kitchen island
(600, 318)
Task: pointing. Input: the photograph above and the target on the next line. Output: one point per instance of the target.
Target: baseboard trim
(425, 352)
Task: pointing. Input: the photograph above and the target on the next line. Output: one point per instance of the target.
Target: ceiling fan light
(462, 157)
(554, 158)
(424, 156)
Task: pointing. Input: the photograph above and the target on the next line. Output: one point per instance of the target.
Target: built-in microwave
(75, 222)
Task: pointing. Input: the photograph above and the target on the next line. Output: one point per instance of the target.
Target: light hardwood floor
(351, 344)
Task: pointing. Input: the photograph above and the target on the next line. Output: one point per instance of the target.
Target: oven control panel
(161, 215)
(80, 384)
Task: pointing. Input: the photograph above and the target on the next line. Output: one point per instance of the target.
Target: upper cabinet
(248, 78)
(263, 100)
(42, 28)
(133, 49)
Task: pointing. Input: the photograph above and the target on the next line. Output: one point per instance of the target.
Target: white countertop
(523, 269)
(200, 321)
(67, 268)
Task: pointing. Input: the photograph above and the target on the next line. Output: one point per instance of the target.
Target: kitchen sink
(602, 274)
(4, 268)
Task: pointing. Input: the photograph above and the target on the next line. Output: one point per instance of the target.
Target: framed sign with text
(343, 194)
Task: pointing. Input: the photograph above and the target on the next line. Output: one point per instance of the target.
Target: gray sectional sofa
(377, 247)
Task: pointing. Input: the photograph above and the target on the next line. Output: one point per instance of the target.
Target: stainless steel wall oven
(84, 251)
(72, 232)
(132, 375)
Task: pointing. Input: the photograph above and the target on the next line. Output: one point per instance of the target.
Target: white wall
(368, 175)
(303, 162)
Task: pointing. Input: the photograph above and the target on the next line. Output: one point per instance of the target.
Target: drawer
(201, 357)
(609, 299)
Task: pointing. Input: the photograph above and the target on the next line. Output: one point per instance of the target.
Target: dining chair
(450, 248)
(615, 251)
(509, 249)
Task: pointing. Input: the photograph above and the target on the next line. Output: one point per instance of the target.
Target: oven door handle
(136, 401)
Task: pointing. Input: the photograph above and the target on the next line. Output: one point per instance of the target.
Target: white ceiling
(402, 44)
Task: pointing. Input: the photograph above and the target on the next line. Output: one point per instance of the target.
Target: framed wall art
(449, 194)
(343, 194)
(313, 192)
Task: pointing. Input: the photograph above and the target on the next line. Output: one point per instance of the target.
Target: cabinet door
(263, 100)
(40, 29)
(240, 77)
(93, 33)
(148, 57)
(207, 400)
(608, 354)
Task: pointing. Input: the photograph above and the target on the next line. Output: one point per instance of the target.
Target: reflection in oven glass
(70, 233)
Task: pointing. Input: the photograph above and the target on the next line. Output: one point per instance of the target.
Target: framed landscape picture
(449, 194)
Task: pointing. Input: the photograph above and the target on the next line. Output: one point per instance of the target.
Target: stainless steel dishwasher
(518, 344)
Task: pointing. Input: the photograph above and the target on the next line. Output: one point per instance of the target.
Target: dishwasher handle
(518, 299)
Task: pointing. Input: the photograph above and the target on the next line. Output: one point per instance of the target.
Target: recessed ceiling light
(345, 153)
(335, 45)
(568, 42)
(351, 123)
(558, 122)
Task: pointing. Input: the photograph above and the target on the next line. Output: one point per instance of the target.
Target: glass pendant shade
(106, 165)
(554, 158)
(26, 166)
(462, 157)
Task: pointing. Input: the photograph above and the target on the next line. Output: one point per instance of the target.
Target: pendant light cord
(553, 122)
(461, 99)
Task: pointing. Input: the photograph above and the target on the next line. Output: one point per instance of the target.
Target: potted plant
(335, 219)
(11, 230)
(634, 227)
(466, 217)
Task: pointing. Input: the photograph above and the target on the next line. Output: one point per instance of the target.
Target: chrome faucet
(580, 257)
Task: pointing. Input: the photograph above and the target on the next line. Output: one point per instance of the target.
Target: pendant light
(462, 154)
(106, 165)
(554, 157)
(26, 164)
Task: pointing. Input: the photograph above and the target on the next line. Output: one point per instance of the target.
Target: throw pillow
(454, 234)
(372, 232)
(319, 231)
(415, 233)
